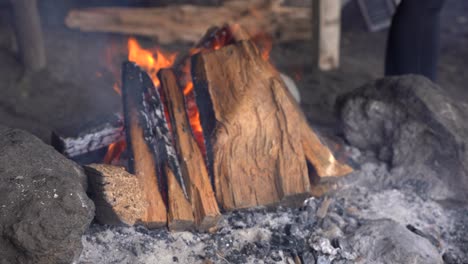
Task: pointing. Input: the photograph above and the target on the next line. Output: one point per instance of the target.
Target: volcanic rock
(43, 205)
(386, 241)
(416, 128)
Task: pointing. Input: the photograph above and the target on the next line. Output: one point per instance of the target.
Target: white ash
(263, 236)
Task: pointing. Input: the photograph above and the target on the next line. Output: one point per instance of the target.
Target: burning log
(254, 148)
(142, 162)
(158, 140)
(92, 136)
(180, 216)
(116, 194)
(255, 131)
(187, 23)
(205, 207)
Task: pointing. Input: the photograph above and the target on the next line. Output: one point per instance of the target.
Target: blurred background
(76, 85)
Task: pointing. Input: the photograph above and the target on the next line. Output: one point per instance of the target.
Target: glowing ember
(114, 151)
(188, 88)
(117, 89)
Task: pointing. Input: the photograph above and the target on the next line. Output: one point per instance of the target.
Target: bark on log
(254, 147)
(205, 207)
(188, 23)
(29, 34)
(116, 194)
(142, 162)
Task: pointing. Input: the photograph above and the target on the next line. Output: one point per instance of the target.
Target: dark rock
(276, 256)
(43, 205)
(410, 123)
(386, 241)
(451, 257)
(308, 258)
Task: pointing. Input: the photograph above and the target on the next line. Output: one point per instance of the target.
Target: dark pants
(413, 41)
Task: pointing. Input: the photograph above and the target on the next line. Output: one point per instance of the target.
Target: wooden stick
(254, 148)
(326, 30)
(204, 203)
(180, 216)
(29, 34)
(142, 159)
(188, 23)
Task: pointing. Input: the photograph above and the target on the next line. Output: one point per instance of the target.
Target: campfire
(214, 130)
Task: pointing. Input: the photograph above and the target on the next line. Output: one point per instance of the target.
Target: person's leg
(413, 41)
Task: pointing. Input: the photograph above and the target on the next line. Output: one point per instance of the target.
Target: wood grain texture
(180, 216)
(141, 161)
(204, 205)
(145, 170)
(116, 193)
(256, 157)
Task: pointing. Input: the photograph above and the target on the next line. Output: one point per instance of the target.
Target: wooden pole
(29, 34)
(326, 32)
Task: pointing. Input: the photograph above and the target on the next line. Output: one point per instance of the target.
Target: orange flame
(150, 61)
(114, 151)
(154, 60)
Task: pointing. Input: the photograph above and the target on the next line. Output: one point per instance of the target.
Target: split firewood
(187, 23)
(141, 162)
(90, 137)
(254, 145)
(325, 165)
(116, 194)
(205, 207)
(180, 215)
(159, 140)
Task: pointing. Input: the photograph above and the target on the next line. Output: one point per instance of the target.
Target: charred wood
(90, 137)
(204, 205)
(138, 135)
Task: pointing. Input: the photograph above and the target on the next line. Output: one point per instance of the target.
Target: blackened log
(138, 135)
(158, 134)
(204, 205)
(160, 139)
(92, 136)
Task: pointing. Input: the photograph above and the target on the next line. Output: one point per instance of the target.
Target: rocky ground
(367, 221)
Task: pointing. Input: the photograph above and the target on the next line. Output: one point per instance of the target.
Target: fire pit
(217, 128)
(204, 156)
